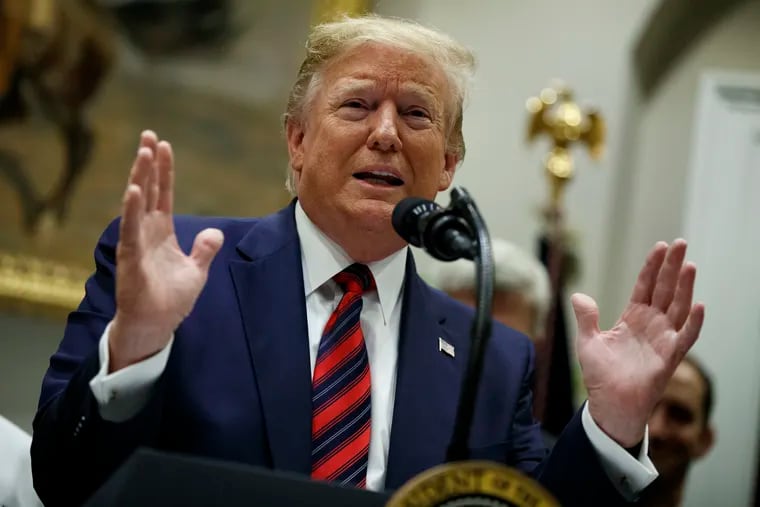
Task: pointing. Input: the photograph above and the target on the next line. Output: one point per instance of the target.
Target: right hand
(156, 283)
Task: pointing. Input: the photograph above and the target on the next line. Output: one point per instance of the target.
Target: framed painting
(79, 81)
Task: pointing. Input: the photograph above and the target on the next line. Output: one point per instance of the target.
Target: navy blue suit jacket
(237, 384)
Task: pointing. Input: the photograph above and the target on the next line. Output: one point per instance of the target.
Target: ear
(706, 441)
(295, 134)
(447, 173)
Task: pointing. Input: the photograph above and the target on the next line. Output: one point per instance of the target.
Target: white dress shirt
(16, 488)
(120, 395)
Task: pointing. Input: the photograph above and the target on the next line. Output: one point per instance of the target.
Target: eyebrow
(348, 86)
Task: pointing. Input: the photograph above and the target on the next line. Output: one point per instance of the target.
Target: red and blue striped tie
(341, 404)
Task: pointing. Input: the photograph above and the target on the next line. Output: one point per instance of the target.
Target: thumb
(586, 315)
(207, 243)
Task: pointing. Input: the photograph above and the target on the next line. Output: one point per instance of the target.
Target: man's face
(375, 133)
(677, 431)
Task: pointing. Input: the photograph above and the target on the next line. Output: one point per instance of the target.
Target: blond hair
(329, 40)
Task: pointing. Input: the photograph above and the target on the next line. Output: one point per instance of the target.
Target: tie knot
(357, 278)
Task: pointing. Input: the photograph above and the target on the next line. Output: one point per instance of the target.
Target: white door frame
(722, 223)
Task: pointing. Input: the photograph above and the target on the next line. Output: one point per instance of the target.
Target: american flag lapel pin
(445, 347)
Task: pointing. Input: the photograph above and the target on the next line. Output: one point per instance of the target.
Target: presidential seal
(472, 484)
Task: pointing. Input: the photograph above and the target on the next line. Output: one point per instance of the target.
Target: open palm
(626, 368)
(156, 283)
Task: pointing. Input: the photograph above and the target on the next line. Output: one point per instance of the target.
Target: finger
(129, 227)
(143, 168)
(207, 243)
(667, 278)
(679, 308)
(151, 187)
(133, 202)
(689, 333)
(165, 164)
(148, 139)
(586, 315)
(642, 291)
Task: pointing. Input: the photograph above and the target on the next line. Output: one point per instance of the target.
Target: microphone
(448, 234)
(439, 231)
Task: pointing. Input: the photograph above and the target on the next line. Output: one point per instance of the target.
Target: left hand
(626, 368)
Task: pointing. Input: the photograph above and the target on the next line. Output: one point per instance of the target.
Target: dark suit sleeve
(572, 471)
(73, 449)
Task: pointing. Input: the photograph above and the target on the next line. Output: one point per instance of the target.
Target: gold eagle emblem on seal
(472, 484)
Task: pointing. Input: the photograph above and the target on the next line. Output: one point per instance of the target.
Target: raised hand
(626, 368)
(156, 283)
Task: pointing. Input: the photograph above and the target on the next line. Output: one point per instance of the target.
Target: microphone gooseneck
(457, 231)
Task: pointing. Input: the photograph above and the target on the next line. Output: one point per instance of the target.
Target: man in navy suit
(233, 338)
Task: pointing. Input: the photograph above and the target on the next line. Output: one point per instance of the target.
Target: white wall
(721, 220)
(521, 47)
(659, 163)
(660, 172)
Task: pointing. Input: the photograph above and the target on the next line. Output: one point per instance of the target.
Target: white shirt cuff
(628, 474)
(122, 394)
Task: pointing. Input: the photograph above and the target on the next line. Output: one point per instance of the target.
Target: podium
(153, 478)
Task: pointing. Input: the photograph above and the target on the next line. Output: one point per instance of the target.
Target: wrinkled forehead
(373, 66)
(361, 84)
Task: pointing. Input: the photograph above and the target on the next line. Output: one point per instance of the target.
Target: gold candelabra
(330, 10)
(555, 114)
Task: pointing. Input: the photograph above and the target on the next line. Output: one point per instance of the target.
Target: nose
(384, 134)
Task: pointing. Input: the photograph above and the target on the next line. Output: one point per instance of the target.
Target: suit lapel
(269, 286)
(268, 281)
(427, 385)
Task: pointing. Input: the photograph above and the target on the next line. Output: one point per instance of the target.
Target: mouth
(380, 177)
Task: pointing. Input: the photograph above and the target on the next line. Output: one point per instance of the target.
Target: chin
(667, 464)
(374, 213)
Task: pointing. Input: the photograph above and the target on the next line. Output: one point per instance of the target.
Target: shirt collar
(322, 259)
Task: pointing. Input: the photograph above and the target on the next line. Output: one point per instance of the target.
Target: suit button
(79, 425)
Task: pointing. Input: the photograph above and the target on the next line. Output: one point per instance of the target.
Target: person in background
(15, 467)
(680, 432)
(521, 295)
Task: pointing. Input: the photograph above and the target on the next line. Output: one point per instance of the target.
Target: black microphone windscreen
(408, 217)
